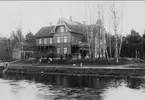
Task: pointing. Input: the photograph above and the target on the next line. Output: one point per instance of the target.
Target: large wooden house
(67, 37)
(61, 40)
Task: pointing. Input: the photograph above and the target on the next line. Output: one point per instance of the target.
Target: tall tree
(134, 40)
(30, 38)
(17, 36)
(115, 24)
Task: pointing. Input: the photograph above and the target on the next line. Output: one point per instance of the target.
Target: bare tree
(18, 36)
(121, 35)
(95, 33)
(115, 19)
(89, 32)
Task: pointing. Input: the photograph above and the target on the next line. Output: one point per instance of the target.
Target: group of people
(66, 56)
(49, 60)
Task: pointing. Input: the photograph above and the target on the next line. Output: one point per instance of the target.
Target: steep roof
(72, 26)
(44, 32)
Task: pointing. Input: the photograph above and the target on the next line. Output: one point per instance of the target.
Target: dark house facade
(60, 40)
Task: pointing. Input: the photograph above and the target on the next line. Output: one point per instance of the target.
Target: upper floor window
(45, 41)
(58, 39)
(65, 50)
(65, 39)
(40, 41)
(50, 41)
(61, 28)
(58, 50)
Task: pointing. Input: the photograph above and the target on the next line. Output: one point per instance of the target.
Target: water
(32, 87)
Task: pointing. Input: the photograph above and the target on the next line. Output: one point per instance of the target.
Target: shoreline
(111, 70)
(129, 70)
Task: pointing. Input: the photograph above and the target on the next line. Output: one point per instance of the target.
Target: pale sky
(32, 15)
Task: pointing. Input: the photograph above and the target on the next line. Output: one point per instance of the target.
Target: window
(50, 41)
(45, 41)
(65, 39)
(58, 39)
(62, 29)
(58, 50)
(65, 50)
(40, 41)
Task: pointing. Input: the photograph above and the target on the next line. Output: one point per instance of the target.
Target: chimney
(84, 22)
(50, 23)
(70, 18)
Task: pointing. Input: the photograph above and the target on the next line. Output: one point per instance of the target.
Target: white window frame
(50, 40)
(65, 50)
(58, 50)
(40, 41)
(65, 39)
(58, 39)
(45, 40)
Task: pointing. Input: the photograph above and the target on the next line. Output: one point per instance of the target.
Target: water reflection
(55, 87)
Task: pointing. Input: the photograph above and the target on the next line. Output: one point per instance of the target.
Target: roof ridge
(48, 26)
(73, 21)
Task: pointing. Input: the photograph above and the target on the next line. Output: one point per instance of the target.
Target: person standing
(49, 60)
(39, 61)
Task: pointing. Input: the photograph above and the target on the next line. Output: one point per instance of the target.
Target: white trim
(60, 24)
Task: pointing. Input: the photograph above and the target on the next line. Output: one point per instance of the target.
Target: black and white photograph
(72, 50)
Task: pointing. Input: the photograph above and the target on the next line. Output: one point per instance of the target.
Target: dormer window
(61, 28)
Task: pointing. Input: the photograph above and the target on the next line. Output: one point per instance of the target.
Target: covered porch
(44, 51)
(80, 50)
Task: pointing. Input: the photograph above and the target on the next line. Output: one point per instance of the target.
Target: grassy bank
(77, 71)
(122, 61)
(126, 67)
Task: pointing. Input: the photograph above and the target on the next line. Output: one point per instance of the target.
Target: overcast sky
(32, 15)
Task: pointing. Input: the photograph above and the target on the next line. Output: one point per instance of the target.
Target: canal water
(55, 87)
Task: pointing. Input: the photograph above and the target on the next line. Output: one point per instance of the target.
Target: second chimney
(50, 23)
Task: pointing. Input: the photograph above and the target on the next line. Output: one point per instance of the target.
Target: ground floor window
(65, 50)
(58, 50)
(50, 51)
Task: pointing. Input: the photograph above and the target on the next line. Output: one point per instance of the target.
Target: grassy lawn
(97, 62)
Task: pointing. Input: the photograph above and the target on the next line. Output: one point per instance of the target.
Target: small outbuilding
(23, 50)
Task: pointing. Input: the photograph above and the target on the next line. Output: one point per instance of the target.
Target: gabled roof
(44, 32)
(72, 26)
